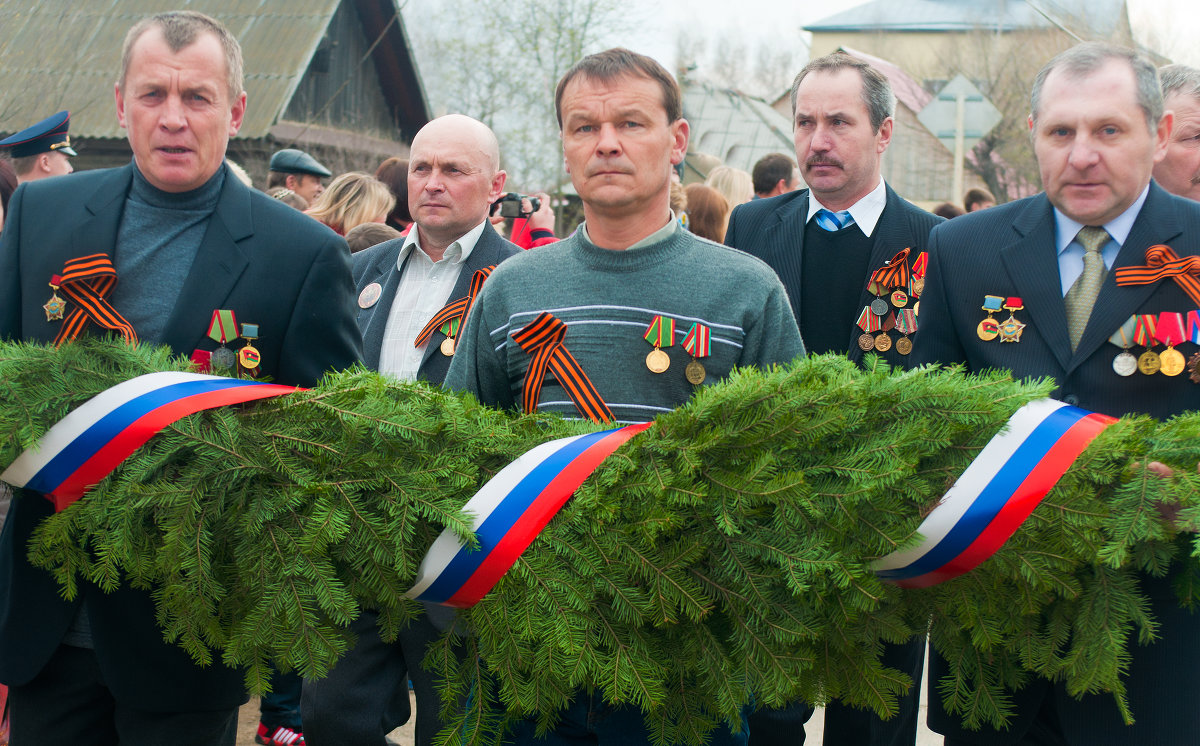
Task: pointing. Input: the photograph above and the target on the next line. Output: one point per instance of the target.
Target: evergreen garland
(721, 557)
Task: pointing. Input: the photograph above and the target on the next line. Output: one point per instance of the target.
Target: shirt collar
(1119, 227)
(456, 253)
(865, 212)
(661, 234)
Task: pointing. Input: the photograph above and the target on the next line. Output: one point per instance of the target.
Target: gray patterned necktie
(1082, 295)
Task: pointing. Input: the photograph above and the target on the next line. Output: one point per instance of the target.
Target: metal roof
(1102, 17)
(67, 56)
(736, 128)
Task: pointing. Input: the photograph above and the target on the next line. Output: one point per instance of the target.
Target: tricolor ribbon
(1193, 326)
(543, 339)
(85, 446)
(996, 493)
(455, 311)
(1162, 261)
(508, 513)
(88, 281)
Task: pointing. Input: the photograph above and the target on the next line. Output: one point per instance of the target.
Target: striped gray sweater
(608, 299)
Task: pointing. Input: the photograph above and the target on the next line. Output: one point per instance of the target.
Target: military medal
(1148, 362)
(450, 329)
(879, 306)
(55, 306)
(249, 358)
(883, 342)
(1170, 333)
(1010, 328)
(1125, 363)
(697, 343)
(917, 285)
(660, 333)
(869, 322)
(223, 328)
(899, 299)
(893, 275)
(989, 328)
(1193, 335)
(370, 295)
(906, 323)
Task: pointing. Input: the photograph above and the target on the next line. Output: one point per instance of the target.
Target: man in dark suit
(404, 285)
(185, 239)
(826, 243)
(1051, 260)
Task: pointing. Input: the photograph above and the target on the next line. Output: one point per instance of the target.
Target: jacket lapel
(891, 236)
(385, 272)
(218, 265)
(99, 233)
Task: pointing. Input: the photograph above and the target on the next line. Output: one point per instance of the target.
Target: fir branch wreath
(720, 558)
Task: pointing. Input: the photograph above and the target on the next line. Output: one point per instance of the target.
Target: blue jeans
(281, 708)
(589, 721)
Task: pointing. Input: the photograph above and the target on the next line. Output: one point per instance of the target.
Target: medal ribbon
(543, 339)
(906, 321)
(450, 328)
(1146, 324)
(1193, 326)
(88, 281)
(997, 492)
(508, 513)
(992, 302)
(919, 267)
(661, 332)
(868, 321)
(1123, 336)
(889, 322)
(1170, 328)
(85, 446)
(895, 272)
(696, 342)
(454, 310)
(1162, 261)
(223, 326)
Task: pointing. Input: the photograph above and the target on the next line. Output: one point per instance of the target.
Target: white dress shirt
(1070, 251)
(865, 212)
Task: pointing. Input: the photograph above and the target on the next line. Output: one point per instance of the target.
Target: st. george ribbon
(508, 513)
(996, 493)
(82, 448)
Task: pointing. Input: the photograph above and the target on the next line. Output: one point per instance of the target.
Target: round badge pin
(370, 295)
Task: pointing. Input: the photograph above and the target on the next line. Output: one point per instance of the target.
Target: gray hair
(180, 28)
(877, 91)
(1084, 59)
(1180, 79)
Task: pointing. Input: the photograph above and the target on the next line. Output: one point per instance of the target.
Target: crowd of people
(771, 273)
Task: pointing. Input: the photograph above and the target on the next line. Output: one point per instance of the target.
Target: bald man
(454, 177)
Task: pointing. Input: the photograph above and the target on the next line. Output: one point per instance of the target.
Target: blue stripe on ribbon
(993, 497)
(506, 515)
(108, 427)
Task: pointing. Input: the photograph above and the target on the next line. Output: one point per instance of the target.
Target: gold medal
(988, 329)
(1149, 363)
(695, 373)
(447, 347)
(249, 359)
(54, 307)
(883, 342)
(904, 345)
(1171, 362)
(658, 361)
(899, 299)
(866, 342)
(918, 286)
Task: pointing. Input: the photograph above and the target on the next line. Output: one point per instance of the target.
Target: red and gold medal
(55, 307)
(1170, 333)
(869, 322)
(1144, 334)
(1010, 328)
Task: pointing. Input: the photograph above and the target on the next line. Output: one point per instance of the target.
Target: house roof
(1102, 17)
(736, 128)
(67, 56)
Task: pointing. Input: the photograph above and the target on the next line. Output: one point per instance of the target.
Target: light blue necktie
(833, 221)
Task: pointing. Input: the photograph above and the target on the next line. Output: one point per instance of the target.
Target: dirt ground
(248, 726)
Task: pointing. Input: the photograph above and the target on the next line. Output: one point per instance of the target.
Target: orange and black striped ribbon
(543, 340)
(457, 309)
(88, 281)
(1162, 261)
(895, 273)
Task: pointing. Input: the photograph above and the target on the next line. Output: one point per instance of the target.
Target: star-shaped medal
(1010, 330)
(54, 308)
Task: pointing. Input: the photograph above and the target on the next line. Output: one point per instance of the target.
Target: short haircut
(1084, 59)
(948, 210)
(394, 173)
(276, 179)
(975, 195)
(352, 199)
(876, 91)
(368, 234)
(1179, 79)
(180, 29)
(618, 62)
(770, 169)
(707, 211)
(24, 165)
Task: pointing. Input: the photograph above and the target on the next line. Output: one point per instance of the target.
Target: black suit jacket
(271, 266)
(773, 230)
(1010, 251)
(378, 264)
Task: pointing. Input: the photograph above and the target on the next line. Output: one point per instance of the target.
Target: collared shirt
(1070, 251)
(657, 236)
(425, 287)
(865, 212)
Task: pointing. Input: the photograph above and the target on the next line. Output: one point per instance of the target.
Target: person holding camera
(454, 177)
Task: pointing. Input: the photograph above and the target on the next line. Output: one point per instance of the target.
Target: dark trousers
(365, 696)
(281, 708)
(68, 704)
(845, 725)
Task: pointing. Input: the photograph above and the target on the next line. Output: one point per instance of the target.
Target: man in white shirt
(413, 295)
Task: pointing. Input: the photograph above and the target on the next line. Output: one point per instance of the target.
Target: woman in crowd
(352, 199)
(708, 212)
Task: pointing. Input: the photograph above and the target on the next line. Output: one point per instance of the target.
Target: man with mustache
(1179, 171)
(826, 243)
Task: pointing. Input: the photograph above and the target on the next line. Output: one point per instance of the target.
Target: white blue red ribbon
(508, 513)
(996, 493)
(85, 446)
